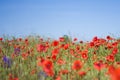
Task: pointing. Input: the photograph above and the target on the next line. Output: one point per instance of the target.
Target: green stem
(99, 73)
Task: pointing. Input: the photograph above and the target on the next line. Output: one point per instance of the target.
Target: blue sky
(54, 18)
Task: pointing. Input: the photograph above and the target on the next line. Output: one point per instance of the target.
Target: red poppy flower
(10, 76)
(115, 51)
(84, 56)
(53, 57)
(55, 51)
(58, 78)
(115, 44)
(77, 65)
(114, 73)
(98, 65)
(24, 55)
(15, 79)
(109, 38)
(66, 46)
(55, 43)
(81, 42)
(50, 73)
(82, 73)
(72, 51)
(95, 39)
(60, 61)
(26, 41)
(19, 39)
(48, 67)
(75, 39)
(40, 61)
(61, 39)
(109, 46)
(111, 69)
(41, 47)
(91, 44)
(1, 39)
(110, 58)
(64, 71)
(77, 48)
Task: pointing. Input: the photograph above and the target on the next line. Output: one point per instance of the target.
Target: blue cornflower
(7, 62)
(17, 51)
(42, 75)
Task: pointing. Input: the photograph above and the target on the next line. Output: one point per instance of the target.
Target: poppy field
(36, 58)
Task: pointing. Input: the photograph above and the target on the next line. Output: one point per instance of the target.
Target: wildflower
(84, 56)
(11, 77)
(109, 38)
(58, 78)
(40, 61)
(60, 61)
(75, 39)
(114, 73)
(26, 41)
(61, 39)
(92, 44)
(77, 65)
(41, 47)
(1, 39)
(72, 51)
(48, 67)
(55, 43)
(95, 39)
(82, 73)
(81, 42)
(41, 39)
(24, 55)
(64, 71)
(110, 58)
(77, 48)
(98, 65)
(19, 39)
(55, 51)
(17, 51)
(15, 79)
(42, 75)
(7, 61)
(54, 57)
(115, 44)
(115, 51)
(66, 46)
